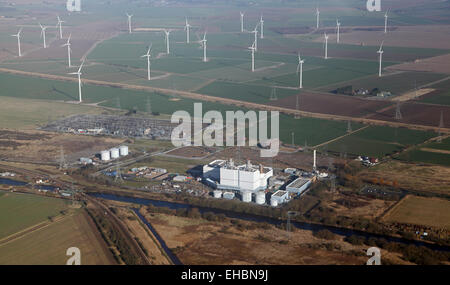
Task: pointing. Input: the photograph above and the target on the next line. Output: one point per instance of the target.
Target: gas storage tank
(123, 150)
(246, 196)
(104, 155)
(260, 198)
(114, 153)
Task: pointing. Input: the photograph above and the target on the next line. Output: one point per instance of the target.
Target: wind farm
(360, 95)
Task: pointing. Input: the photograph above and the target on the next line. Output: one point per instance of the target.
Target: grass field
(421, 211)
(417, 155)
(48, 246)
(378, 141)
(20, 211)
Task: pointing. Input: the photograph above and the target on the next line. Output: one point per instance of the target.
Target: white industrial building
(279, 197)
(244, 178)
(299, 185)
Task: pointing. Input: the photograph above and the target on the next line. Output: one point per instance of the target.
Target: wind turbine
(18, 40)
(242, 21)
(60, 27)
(261, 22)
(167, 32)
(187, 28)
(253, 49)
(255, 32)
(43, 28)
(129, 22)
(385, 21)
(317, 17)
(338, 26)
(69, 50)
(380, 52)
(203, 43)
(147, 55)
(300, 70)
(78, 73)
(326, 45)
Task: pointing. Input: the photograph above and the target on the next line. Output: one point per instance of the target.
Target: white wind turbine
(203, 43)
(326, 45)
(60, 27)
(261, 22)
(69, 50)
(18, 40)
(167, 32)
(317, 17)
(129, 22)
(242, 21)
(78, 73)
(43, 28)
(300, 70)
(255, 32)
(380, 52)
(385, 21)
(253, 49)
(147, 55)
(338, 26)
(187, 28)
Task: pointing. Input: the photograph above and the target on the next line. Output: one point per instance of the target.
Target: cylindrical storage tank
(273, 202)
(123, 150)
(217, 194)
(104, 155)
(246, 196)
(260, 198)
(114, 153)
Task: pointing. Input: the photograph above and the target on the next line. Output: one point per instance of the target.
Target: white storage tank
(246, 196)
(114, 153)
(123, 150)
(260, 198)
(273, 202)
(104, 155)
(217, 194)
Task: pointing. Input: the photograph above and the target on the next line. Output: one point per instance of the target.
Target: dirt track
(226, 101)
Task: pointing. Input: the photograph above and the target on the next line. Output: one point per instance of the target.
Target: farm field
(378, 141)
(20, 211)
(441, 94)
(421, 211)
(428, 157)
(48, 245)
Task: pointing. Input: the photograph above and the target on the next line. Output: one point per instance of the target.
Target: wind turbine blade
(79, 69)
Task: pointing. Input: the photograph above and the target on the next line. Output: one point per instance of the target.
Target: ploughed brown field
(341, 105)
(417, 114)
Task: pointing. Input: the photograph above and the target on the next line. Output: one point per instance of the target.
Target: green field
(48, 246)
(378, 141)
(20, 211)
(417, 155)
(440, 96)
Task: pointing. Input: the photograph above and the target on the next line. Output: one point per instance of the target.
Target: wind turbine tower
(129, 22)
(69, 50)
(253, 49)
(187, 28)
(43, 28)
(60, 27)
(167, 32)
(317, 17)
(18, 41)
(261, 22)
(300, 71)
(380, 52)
(78, 73)
(147, 55)
(385, 21)
(338, 27)
(203, 43)
(242, 21)
(326, 45)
